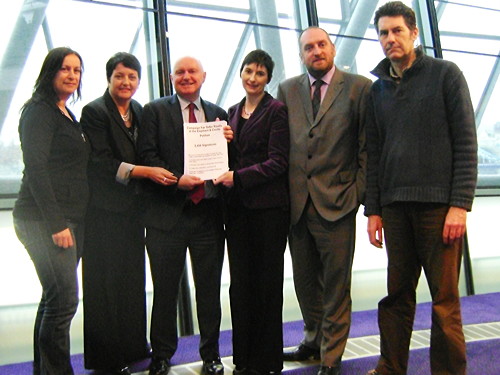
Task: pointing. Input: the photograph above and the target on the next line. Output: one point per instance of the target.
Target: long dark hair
(44, 85)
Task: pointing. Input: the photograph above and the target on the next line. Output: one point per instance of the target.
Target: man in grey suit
(327, 184)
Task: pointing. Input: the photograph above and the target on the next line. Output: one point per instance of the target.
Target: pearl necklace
(126, 116)
(248, 114)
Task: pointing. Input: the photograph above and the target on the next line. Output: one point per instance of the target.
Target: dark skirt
(114, 299)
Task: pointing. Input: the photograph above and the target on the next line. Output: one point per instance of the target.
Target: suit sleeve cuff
(123, 173)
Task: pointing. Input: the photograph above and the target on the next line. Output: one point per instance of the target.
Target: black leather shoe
(325, 370)
(159, 366)
(113, 371)
(214, 367)
(240, 370)
(149, 351)
(123, 371)
(302, 353)
(255, 372)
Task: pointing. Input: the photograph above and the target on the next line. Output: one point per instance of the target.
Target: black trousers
(200, 229)
(256, 244)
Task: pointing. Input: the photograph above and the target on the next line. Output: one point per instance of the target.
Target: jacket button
(309, 156)
(309, 177)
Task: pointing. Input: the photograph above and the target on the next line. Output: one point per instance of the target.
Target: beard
(319, 72)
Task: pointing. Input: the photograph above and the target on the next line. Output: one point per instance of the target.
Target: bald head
(316, 51)
(187, 78)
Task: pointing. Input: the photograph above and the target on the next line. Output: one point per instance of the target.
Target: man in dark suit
(327, 182)
(176, 220)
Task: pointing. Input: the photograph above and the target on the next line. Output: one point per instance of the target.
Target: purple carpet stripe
(483, 359)
(483, 356)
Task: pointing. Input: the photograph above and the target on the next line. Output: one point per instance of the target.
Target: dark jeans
(413, 236)
(57, 271)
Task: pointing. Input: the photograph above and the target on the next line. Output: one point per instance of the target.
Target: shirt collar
(327, 78)
(184, 103)
(393, 73)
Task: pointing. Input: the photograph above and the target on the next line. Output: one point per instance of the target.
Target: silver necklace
(126, 116)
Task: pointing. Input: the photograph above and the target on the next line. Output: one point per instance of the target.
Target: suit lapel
(209, 111)
(176, 112)
(305, 97)
(334, 89)
(255, 118)
(116, 118)
(237, 115)
(174, 109)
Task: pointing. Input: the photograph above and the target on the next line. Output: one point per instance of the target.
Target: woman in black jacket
(49, 212)
(114, 300)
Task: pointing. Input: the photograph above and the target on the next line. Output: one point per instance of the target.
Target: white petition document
(205, 149)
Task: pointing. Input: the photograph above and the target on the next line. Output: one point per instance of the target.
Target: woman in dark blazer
(114, 257)
(49, 211)
(257, 219)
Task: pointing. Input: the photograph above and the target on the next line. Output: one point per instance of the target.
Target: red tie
(192, 117)
(198, 193)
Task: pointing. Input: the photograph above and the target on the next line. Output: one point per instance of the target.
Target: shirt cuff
(123, 173)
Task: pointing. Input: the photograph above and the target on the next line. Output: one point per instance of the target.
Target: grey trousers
(322, 254)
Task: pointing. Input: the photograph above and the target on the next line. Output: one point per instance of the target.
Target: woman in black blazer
(114, 299)
(257, 219)
(49, 211)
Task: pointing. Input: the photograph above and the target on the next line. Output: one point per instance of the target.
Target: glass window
(221, 33)
(474, 50)
(469, 37)
(231, 29)
(29, 30)
(350, 25)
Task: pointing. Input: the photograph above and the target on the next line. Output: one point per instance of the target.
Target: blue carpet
(483, 356)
